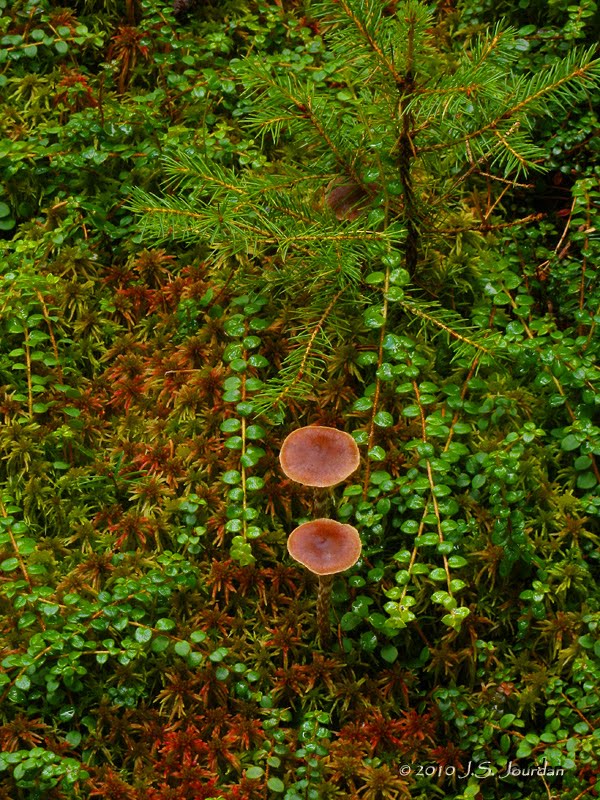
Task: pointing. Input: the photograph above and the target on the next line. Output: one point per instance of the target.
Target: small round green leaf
(254, 773)
(389, 653)
(142, 635)
(182, 649)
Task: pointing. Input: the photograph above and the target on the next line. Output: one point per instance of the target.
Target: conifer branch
(296, 367)
(406, 153)
(434, 314)
(367, 19)
(578, 68)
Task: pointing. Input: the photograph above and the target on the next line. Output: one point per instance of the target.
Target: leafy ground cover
(215, 230)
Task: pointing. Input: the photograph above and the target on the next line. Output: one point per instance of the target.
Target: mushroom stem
(324, 502)
(323, 604)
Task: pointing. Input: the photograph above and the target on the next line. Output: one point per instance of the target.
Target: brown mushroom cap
(325, 546)
(319, 456)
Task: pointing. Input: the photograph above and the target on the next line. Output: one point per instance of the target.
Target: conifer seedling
(362, 192)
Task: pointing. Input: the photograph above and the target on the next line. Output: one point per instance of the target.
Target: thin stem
(323, 605)
(382, 334)
(51, 334)
(28, 364)
(323, 502)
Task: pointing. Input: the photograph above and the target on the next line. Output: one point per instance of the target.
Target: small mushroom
(325, 547)
(348, 199)
(319, 456)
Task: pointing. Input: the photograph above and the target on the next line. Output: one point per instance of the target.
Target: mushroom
(319, 456)
(325, 547)
(347, 198)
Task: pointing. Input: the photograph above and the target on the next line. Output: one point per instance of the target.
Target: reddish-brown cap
(348, 199)
(325, 546)
(319, 456)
